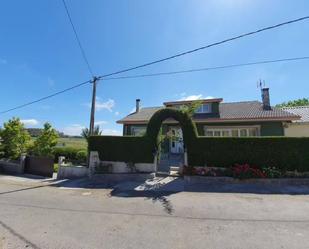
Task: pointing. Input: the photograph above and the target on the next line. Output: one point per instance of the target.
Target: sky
(39, 55)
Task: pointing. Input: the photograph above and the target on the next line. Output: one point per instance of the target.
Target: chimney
(137, 105)
(265, 98)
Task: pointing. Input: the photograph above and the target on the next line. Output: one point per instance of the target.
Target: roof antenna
(259, 84)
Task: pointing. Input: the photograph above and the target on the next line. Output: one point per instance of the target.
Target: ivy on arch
(187, 125)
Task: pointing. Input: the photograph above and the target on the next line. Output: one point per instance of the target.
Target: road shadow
(156, 190)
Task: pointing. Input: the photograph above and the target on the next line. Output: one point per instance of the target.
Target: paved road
(33, 215)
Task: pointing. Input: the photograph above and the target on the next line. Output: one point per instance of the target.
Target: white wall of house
(297, 130)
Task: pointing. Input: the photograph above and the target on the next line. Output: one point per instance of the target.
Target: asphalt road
(33, 215)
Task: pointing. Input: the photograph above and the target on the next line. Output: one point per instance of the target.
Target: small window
(138, 130)
(232, 132)
(217, 133)
(243, 133)
(204, 108)
(225, 133)
(209, 133)
(253, 132)
(235, 133)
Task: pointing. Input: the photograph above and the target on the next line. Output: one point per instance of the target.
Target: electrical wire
(77, 39)
(207, 68)
(205, 47)
(46, 97)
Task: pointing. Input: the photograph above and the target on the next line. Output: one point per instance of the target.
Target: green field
(72, 142)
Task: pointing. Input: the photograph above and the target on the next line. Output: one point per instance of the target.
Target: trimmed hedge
(285, 153)
(70, 153)
(186, 123)
(122, 149)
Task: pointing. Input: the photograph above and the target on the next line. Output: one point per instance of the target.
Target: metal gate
(41, 166)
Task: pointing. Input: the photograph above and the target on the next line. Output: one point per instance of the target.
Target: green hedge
(186, 123)
(70, 153)
(285, 153)
(122, 149)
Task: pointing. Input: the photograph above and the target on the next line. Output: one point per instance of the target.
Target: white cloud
(117, 113)
(196, 97)
(73, 130)
(112, 132)
(100, 122)
(3, 61)
(108, 105)
(29, 122)
(99, 105)
(76, 130)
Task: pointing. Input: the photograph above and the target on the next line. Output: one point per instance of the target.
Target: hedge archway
(188, 127)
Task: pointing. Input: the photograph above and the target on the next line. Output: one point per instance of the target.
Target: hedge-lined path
(60, 217)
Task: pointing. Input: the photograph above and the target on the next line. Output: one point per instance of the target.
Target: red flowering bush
(206, 171)
(245, 171)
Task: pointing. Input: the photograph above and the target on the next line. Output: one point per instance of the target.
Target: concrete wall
(72, 172)
(122, 167)
(297, 130)
(10, 167)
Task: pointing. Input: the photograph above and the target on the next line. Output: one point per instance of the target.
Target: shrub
(272, 172)
(245, 171)
(15, 138)
(46, 141)
(124, 149)
(284, 153)
(70, 153)
(81, 156)
(186, 123)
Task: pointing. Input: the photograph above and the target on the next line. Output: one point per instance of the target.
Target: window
(204, 108)
(231, 132)
(243, 133)
(138, 130)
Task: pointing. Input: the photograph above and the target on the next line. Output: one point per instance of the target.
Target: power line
(146, 64)
(77, 39)
(207, 68)
(46, 97)
(205, 47)
(158, 74)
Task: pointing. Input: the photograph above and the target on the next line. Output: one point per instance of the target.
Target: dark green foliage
(86, 132)
(124, 149)
(15, 140)
(186, 123)
(281, 152)
(70, 153)
(46, 141)
(293, 103)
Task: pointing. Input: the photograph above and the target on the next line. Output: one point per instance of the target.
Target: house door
(176, 142)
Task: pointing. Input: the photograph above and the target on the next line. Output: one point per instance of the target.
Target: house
(298, 128)
(217, 118)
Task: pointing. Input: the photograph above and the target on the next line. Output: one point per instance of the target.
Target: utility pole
(92, 114)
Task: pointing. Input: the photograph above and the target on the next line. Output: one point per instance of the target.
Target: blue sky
(39, 55)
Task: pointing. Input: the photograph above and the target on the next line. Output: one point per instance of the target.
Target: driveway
(75, 214)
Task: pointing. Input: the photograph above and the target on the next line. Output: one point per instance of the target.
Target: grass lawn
(72, 142)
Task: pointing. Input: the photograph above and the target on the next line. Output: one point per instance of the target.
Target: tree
(86, 133)
(191, 108)
(15, 139)
(293, 103)
(46, 141)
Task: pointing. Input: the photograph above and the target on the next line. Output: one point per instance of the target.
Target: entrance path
(80, 214)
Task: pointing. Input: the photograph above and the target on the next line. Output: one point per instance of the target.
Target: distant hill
(35, 132)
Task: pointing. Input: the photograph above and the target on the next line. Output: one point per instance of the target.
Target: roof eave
(218, 120)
